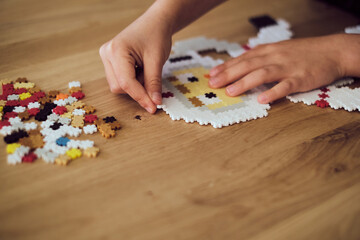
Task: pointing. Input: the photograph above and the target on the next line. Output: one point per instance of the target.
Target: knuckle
(111, 47)
(280, 56)
(115, 89)
(270, 47)
(140, 98)
(288, 86)
(247, 64)
(154, 83)
(102, 51)
(124, 85)
(224, 76)
(226, 64)
(264, 72)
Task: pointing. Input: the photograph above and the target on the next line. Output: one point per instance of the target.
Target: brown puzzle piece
(115, 125)
(24, 115)
(106, 131)
(34, 90)
(44, 100)
(183, 89)
(89, 109)
(172, 79)
(196, 102)
(75, 89)
(78, 104)
(91, 151)
(33, 141)
(63, 160)
(53, 93)
(77, 121)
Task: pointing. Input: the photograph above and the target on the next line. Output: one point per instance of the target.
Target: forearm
(179, 13)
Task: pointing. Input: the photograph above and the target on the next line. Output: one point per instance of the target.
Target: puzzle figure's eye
(193, 79)
(180, 58)
(210, 95)
(56, 126)
(209, 98)
(187, 78)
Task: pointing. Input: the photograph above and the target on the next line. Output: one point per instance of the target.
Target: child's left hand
(297, 66)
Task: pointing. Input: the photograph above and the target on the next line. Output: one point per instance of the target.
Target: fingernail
(213, 81)
(156, 97)
(213, 72)
(263, 98)
(149, 109)
(230, 89)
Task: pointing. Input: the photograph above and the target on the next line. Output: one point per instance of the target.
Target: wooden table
(292, 175)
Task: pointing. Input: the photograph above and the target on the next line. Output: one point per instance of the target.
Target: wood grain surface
(292, 175)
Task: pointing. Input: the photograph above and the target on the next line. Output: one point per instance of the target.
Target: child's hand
(146, 43)
(297, 66)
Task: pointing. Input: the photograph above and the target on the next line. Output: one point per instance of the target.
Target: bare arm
(147, 43)
(180, 13)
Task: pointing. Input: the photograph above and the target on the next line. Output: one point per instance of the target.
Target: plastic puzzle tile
(89, 109)
(91, 151)
(73, 153)
(106, 130)
(90, 129)
(63, 160)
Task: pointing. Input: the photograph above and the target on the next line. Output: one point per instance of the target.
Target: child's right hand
(146, 43)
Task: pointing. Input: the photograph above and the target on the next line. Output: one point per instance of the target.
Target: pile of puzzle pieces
(39, 125)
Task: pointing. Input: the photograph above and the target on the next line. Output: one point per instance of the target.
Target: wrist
(349, 54)
(165, 15)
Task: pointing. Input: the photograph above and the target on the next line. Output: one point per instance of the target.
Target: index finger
(124, 70)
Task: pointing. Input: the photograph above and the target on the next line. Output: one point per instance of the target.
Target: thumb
(152, 78)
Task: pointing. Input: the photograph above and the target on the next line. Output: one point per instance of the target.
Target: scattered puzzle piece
(61, 96)
(5, 81)
(89, 109)
(30, 157)
(10, 148)
(106, 130)
(73, 153)
(90, 129)
(23, 85)
(90, 118)
(44, 100)
(24, 115)
(21, 80)
(24, 96)
(91, 152)
(74, 90)
(78, 95)
(53, 93)
(63, 160)
(34, 90)
(115, 125)
(77, 121)
(78, 104)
